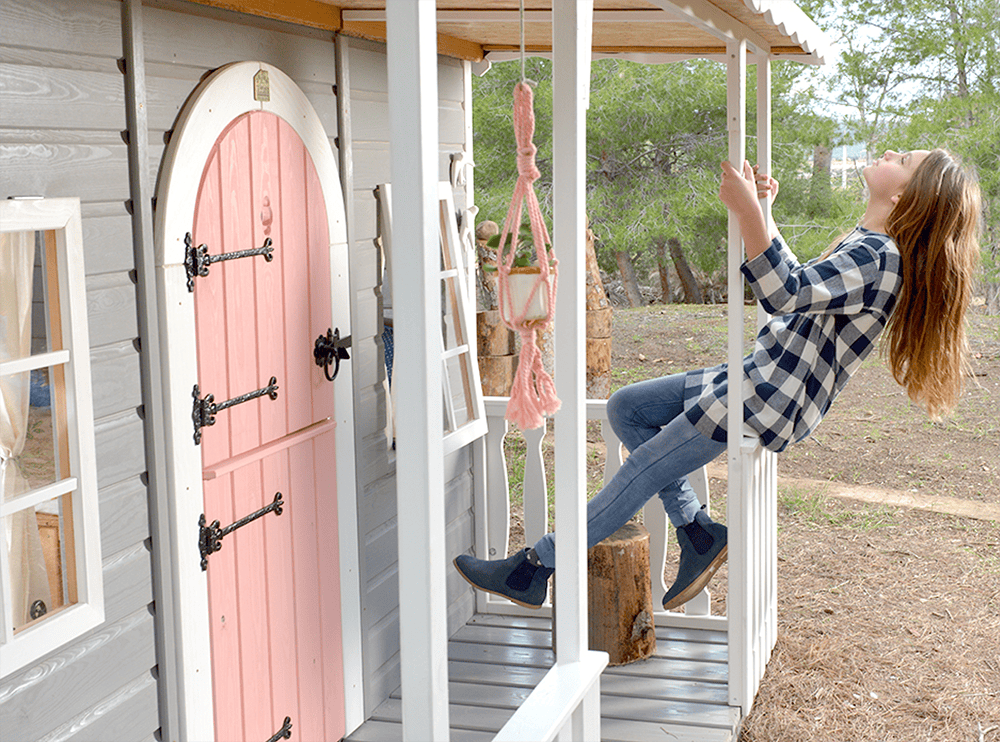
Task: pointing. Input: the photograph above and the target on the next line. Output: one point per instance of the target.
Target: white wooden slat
(30, 363)
(382, 731)
(500, 655)
(115, 375)
(620, 730)
(737, 600)
(124, 515)
(422, 598)
(627, 684)
(68, 25)
(683, 669)
(498, 675)
(564, 704)
(504, 636)
(37, 496)
(572, 26)
(701, 636)
(212, 40)
(129, 713)
(118, 440)
(127, 582)
(111, 311)
(463, 717)
(77, 677)
(91, 172)
(633, 708)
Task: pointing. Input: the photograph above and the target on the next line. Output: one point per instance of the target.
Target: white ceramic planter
(521, 282)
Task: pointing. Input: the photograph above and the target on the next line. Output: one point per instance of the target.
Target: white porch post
(413, 120)
(572, 32)
(738, 603)
(770, 463)
(571, 37)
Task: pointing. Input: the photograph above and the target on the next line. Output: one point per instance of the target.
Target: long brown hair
(935, 224)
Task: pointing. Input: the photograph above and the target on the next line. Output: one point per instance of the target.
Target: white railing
(751, 600)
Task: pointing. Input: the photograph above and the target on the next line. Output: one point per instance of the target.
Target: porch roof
(642, 30)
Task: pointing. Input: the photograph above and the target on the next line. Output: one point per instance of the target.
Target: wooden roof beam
(449, 46)
(702, 14)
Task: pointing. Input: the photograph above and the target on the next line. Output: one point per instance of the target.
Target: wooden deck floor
(679, 695)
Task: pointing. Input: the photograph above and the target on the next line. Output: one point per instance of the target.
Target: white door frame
(220, 98)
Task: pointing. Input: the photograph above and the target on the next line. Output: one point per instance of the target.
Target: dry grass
(887, 632)
(889, 619)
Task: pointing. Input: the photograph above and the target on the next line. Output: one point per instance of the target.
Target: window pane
(38, 459)
(39, 542)
(33, 446)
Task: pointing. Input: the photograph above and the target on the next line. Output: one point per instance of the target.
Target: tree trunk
(663, 268)
(598, 329)
(821, 187)
(629, 281)
(692, 291)
(621, 606)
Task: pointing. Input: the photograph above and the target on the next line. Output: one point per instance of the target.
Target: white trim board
(222, 97)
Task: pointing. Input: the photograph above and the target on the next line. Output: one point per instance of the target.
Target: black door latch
(331, 348)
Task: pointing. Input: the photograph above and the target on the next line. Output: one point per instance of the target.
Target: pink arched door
(274, 593)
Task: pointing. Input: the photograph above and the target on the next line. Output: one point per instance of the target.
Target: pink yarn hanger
(533, 394)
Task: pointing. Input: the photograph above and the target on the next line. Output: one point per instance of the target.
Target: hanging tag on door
(262, 87)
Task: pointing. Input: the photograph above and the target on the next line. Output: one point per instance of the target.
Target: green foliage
(526, 254)
(913, 73)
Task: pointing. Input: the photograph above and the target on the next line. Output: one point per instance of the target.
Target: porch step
(496, 661)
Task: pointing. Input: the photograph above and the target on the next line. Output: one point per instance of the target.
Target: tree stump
(621, 606)
(497, 354)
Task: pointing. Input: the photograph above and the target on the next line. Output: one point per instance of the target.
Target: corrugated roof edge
(792, 21)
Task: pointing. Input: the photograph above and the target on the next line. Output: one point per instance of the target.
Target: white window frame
(461, 359)
(60, 218)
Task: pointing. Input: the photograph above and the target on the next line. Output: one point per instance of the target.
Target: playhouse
(220, 521)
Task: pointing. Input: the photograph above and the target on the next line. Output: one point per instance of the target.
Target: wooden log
(598, 368)
(598, 329)
(621, 606)
(493, 337)
(599, 323)
(497, 374)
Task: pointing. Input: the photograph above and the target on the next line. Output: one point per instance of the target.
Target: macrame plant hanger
(533, 394)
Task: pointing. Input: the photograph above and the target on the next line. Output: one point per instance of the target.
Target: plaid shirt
(828, 314)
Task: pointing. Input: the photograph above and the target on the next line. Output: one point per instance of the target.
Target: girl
(907, 268)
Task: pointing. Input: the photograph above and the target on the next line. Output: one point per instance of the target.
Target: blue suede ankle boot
(514, 578)
(703, 550)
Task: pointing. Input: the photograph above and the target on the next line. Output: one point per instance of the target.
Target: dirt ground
(889, 617)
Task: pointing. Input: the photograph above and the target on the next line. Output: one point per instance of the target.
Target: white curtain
(29, 581)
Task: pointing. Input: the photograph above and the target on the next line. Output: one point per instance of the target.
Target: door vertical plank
(319, 288)
(309, 633)
(325, 485)
(299, 337)
(209, 303)
(224, 617)
(269, 289)
(281, 605)
(241, 343)
(248, 544)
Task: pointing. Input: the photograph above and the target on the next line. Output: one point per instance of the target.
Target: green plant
(525, 256)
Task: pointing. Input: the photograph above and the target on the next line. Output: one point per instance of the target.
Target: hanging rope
(533, 394)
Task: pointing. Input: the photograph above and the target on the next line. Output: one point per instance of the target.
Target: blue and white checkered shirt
(827, 316)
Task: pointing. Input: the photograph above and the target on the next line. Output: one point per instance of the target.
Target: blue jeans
(664, 447)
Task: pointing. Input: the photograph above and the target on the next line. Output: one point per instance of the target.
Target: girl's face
(887, 176)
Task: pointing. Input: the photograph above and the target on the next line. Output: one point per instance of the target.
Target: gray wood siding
(62, 101)
(62, 98)
(378, 537)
